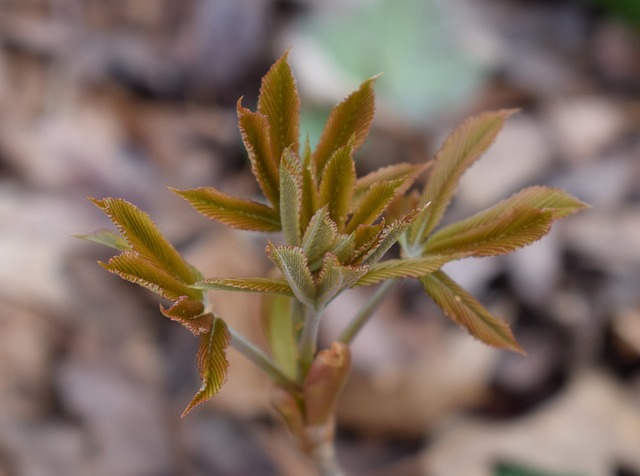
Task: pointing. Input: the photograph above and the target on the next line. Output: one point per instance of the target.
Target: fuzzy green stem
(360, 319)
(262, 360)
(308, 340)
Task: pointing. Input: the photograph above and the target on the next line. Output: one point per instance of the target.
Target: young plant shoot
(337, 228)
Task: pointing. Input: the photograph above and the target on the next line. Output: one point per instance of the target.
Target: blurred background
(125, 97)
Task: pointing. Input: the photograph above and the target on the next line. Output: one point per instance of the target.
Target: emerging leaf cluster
(337, 228)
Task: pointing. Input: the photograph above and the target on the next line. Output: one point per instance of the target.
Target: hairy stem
(262, 360)
(360, 319)
(308, 340)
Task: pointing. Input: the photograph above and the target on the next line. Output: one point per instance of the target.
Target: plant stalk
(262, 360)
(308, 340)
(360, 319)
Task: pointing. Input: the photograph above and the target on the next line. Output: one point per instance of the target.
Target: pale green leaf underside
(292, 263)
(349, 121)
(249, 285)
(503, 234)
(390, 235)
(143, 236)
(290, 196)
(402, 268)
(212, 362)
(280, 103)
(231, 211)
(460, 150)
(334, 278)
(138, 269)
(107, 238)
(468, 312)
(320, 237)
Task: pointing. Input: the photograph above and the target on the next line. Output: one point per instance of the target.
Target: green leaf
(141, 233)
(467, 311)
(190, 314)
(334, 278)
(137, 269)
(319, 238)
(373, 203)
(309, 188)
(336, 186)
(290, 196)
(232, 211)
(344, 247)
(348, 123)
(461, 149)
(107, 238)
(558, 202)
(389, 236)
(212, 362)
(280, 103)
(292, 263)
(402, 268)
(249, 285)
(365, 239)
(254, 128)
(403, 171)
(279, 330)
(505, 233)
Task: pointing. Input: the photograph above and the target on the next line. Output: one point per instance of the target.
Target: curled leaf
(190, 314)
(212, 362)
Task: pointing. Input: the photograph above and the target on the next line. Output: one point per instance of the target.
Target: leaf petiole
(262, 360)
(361, 318)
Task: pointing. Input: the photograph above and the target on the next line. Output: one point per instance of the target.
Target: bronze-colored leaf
(248, 285)
(373, 203)
(137, 269)
(212, 362)
(349, 122)
(503, 234)
(468, 312)
(337, 183)
(402, 268)
(190, 314)
(461, 149)
(232, 211)
(254, 128)
(403, 171)
(143, 236)
(558, 202)
(279, 102)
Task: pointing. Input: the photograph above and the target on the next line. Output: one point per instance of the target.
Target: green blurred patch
(416, 46)
(517, 470)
